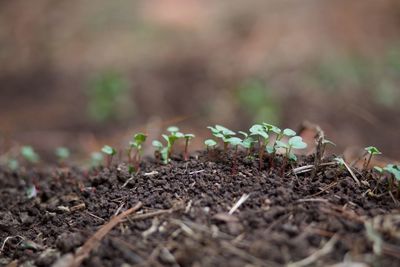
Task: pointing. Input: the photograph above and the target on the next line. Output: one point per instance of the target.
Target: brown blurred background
(75, 71)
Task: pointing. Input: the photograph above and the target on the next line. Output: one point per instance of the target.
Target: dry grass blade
(242, 199)
(352, 174)
(326, 249)
(94, 240)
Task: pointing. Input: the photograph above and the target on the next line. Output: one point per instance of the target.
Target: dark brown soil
(184, 219)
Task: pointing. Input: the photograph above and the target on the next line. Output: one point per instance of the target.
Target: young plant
(29, 154)
(223, 133)
(234, 142)
(248, 142)
(172, 138)
(161, 151)
(272, 129)
(137, 145)
(394, 171)
(96, 158)
(110, 152)
(372, 151)
(263, 140)
(62, 154)
(210, 144)
(187, 137)
(295, 142)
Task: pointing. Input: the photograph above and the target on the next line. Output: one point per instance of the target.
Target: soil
(184, 219)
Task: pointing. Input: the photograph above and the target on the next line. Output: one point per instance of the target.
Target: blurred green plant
(258, 102)
(107, 95)
(29, 154)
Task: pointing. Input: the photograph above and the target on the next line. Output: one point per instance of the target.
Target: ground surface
(184, 221)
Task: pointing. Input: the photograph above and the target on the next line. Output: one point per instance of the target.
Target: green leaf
(296, 142)
(157, 144)
(393, 169)
(234, 141)
(289, 132)
(378, 169)
(244, 134)
(373, 150)
(259, 130)
(292, 157)
(225, 131)
(172, 129)
(139, 138)
(210, 143)
(96, 159)
(280, 144)
(248, 141)
(108, 150)
(166, 137)
(272, 128)
(62, 153)
(339, 161)
(29, 154)
(13, 164)
(178, 135)
(189, 136)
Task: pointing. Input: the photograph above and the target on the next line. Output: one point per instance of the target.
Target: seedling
(394, 171)
(136, 143)
(371, 150)
(210, 143)
(187, 137)
(29, 154)
(248, 142)
(62, 154)
(172, 137)
(234, 142)
(340, 162)
(263, 140)
(223, 133)
(110, 153)
(96, 159)
(295, 142)
(161, 151)
(13, 164)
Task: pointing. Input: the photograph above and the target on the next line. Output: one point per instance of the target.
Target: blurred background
(81, 73)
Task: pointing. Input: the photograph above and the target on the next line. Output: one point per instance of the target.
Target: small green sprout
(394, 171)
(340, 162)
(371, 150)
(295, 142)
(172, 138)
(272, 129)
(13, 164)
(235, 142)
(263, 140)
(110, 152)
(62, 154)
(96, 158)
(29, 154)
(210, 143)
(248, 142)
(161, 151)
(223, 133)
(378, 169)
(187, 137)
(137, 144)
